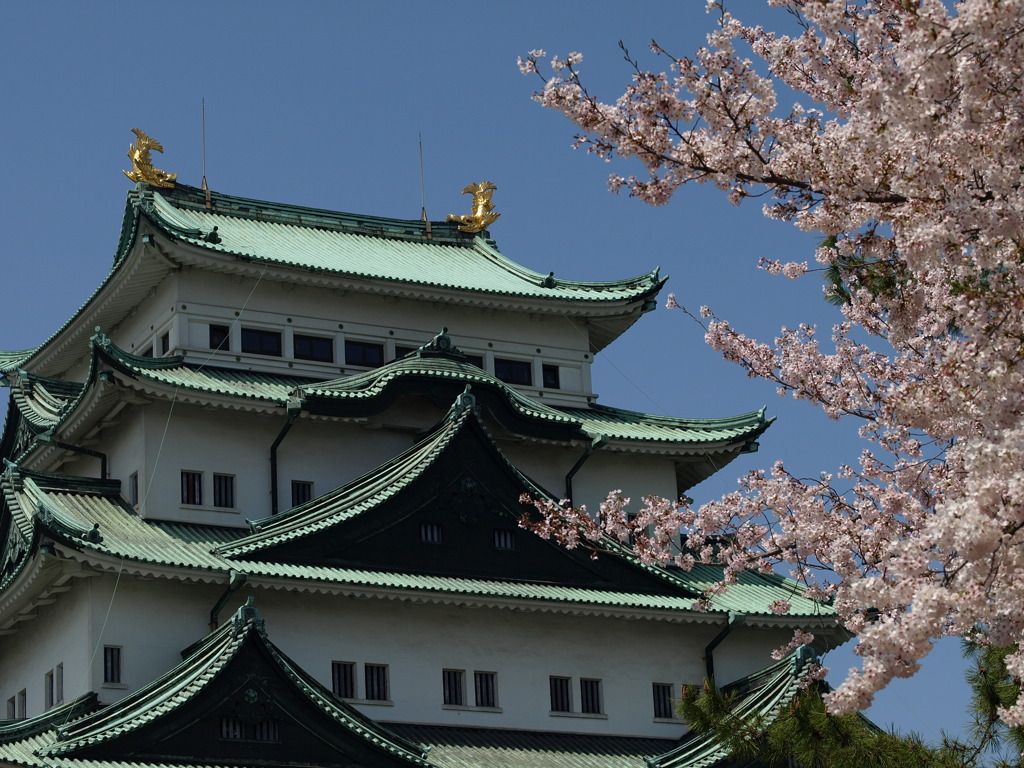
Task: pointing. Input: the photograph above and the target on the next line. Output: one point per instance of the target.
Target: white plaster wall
(59, 634)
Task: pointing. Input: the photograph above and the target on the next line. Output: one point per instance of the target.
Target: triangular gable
(235, 700)
(449, 506)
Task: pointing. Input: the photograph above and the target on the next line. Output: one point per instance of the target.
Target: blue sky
(321, 104)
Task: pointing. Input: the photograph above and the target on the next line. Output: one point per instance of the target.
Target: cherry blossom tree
(906, 152)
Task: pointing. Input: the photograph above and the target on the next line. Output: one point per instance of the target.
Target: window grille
(265, 730)
(590, 696)
(376, 679)
(514, 371)
(504, 538)
(111, 664)
(257, 341)
(318, 348)
(302, 491)
(191, 487)
(220, 337)
(343, 679)
(454, 690)
(232, 729)
(431, 533)
(224, 491)
(663, 700)
(561, 699)
(485, 685)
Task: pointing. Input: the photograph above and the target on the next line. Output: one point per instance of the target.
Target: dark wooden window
(364, 353)
(561, 699)
(133, 489)
(514, 371)
(224, 491)
(477, 360)
(590, 696)
(504, 538)
(48, 689)
(22, 704)
(165, 343)
(453, 687)
(220, 337)
(257, 341)
(191, 487)
(318, 348)
(148, 351)
(376, 679)
(343, 679)
(12, 709)
(302, 491)
(485, 686)
(550, 373)
(232, 729)
(663, 700)
(403, 351)
(111, 664)
(431, 533)
(265, 730)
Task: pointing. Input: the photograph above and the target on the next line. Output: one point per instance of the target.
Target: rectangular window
(454, 688)
(302, 491)
(590, 696)
(486, 689)
(22, 712)
(111, 664)
(165, 343)
(313, 348)
(12, 711)
(58, 684)
(477, 360)
(343, 679)
(265, 730)
(148, 351)
(431, 533)
(376, 679)
(550, 373)
(220, 337)
(663, 700)
(133, 489)
(561, 699)
(224, 491)
(514, 371)
(48, 689)
(232, 729)
(364, 353)
(403, 351)
(504, 538)
(191, 487)
(257, 341)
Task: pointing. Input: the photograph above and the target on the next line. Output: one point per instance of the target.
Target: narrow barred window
(561, 700)
(133, 489)
(504, 538)
(484, 684)
(232, 729)
(343, 679)
(663, 700)
(431, 533)
(224, 491)
(302, 491)
(265, 730)
(191, 487)
(111, 664)
(376, 679)
(590, 696)
(48, 689)
(452, 683)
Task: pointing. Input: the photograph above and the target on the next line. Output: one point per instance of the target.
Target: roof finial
(482, 216)
(423, 193)
(142, 162)
(206, 189)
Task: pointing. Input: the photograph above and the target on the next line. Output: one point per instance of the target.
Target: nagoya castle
(260, 505)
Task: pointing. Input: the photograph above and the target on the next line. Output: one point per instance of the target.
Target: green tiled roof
(452, 747)
(11, 361)
(370, 247)
(633, 425)
(90, 503)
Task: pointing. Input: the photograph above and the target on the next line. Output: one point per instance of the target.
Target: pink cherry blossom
(906, 154)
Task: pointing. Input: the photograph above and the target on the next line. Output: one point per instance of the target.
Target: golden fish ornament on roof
(481, 216)
(142, 163)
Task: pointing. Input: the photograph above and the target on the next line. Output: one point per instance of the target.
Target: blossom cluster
(907, 156)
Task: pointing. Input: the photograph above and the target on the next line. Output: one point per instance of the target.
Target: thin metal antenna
(205, 187)
(423, 192)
